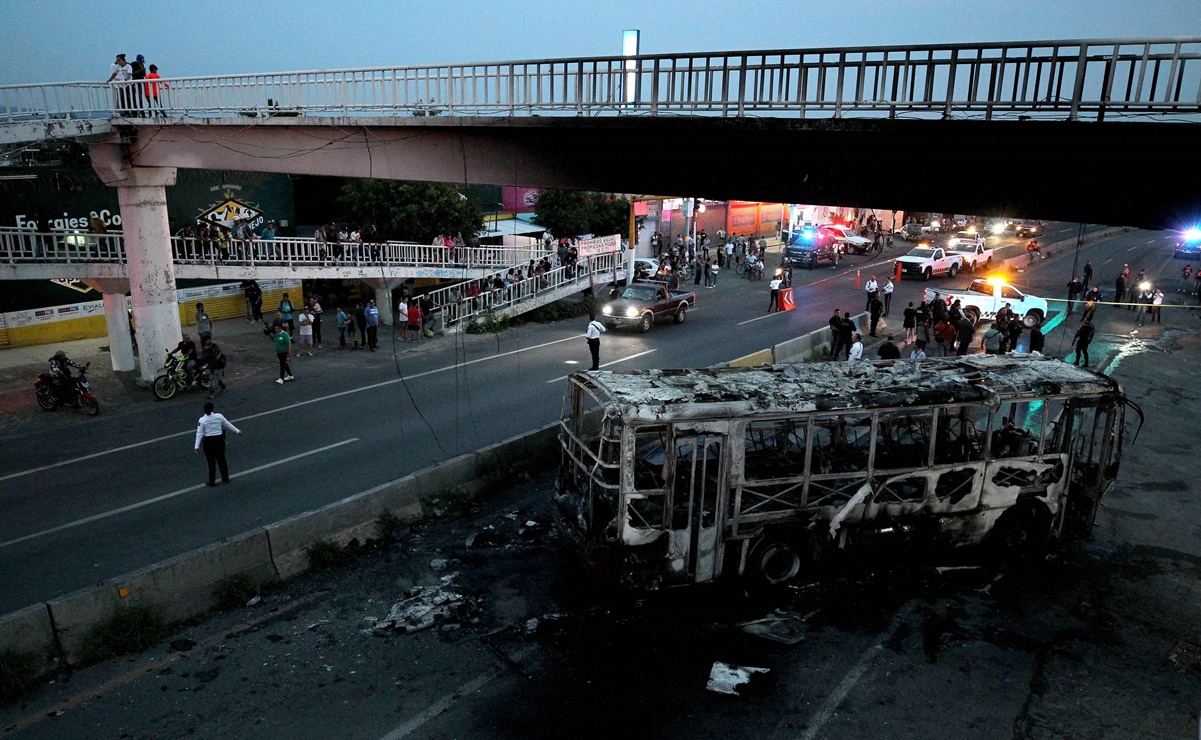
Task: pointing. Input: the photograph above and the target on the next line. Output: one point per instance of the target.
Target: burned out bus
(672, 477)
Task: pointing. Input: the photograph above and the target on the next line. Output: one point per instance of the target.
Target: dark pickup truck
(642, 304)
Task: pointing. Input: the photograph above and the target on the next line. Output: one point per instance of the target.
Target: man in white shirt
(888, 288)
(595, 329)
(121, 71)
(210, 433)
(774, 298)
(870, 288)
(856, 349)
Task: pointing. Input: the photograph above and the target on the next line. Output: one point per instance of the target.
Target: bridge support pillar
(120, 341)
(383, 299)
(142, 194)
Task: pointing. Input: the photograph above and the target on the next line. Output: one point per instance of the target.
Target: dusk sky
(67, 40)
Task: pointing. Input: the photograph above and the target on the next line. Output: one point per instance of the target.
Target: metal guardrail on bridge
(21, 246)
(1077, 80)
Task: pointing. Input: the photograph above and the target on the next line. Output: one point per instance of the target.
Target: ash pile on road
(426, 606)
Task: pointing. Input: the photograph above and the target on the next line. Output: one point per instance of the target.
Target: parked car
(926, 261)
(984, 297)
(642, 304)
(910, 232)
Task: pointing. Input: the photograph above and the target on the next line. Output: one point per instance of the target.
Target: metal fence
(458, 305)
(20, 246)
(1056, 79)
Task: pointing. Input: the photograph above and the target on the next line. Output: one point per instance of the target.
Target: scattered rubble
(255, 601)
(781, 626)
(725, 678)
(1185, 656)
(423, 607)
(439, 564)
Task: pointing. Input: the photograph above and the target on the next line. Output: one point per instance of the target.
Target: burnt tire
(780, 558)
(1021, 533)
(647, 321)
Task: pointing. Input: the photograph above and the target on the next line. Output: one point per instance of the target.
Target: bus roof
(674, 395)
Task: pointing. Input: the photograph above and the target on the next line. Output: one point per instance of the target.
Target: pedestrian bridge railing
(1072, 79)
(22, 246)
(459, 307)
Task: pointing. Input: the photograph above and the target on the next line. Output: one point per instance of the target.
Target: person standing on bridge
(210, 432)
(592, 334)
(153, 91)
(120, 71)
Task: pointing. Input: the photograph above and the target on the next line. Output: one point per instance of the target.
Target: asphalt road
(82, 502)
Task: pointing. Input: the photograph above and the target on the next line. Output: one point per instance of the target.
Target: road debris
(725, 678)
(781, 626)
(423, 607)
(255, 601)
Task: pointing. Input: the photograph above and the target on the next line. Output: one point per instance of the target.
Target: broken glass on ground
(780, 626)
(725, 678)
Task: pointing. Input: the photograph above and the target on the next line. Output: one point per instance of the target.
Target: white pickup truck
(984, 297)
(971, 246)
(926, 261)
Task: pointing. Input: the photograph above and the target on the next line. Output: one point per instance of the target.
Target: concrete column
(120, 343)
(142, 194)
(383, 298)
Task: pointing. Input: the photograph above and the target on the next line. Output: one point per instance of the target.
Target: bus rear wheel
(778, 559)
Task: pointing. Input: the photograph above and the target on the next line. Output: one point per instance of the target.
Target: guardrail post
(1078, 88)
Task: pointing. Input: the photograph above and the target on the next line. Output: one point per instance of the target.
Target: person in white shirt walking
(210, 433)
(856, 349)
(306, 332)
(595, 329)
(773, 300)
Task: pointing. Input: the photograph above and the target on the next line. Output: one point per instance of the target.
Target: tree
(571, 213)
(409, 211)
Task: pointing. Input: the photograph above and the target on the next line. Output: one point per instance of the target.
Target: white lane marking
(289, 407)
(438, 707)
(1106, 262)
(164, 497)
(607, 364)
(826, 712)
(433, 710)
(760, 318)
(1132, 248)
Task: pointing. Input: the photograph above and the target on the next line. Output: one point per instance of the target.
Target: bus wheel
(776, 561)
(1021, 532)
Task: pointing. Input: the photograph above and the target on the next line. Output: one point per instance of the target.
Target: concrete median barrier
(182, 587)
(30, 632)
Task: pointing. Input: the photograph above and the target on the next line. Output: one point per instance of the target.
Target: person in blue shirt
(285, 309)
(372, 313)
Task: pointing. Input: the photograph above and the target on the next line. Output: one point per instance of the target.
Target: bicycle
(755, 272)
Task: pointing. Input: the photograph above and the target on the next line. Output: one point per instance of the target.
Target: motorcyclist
(60, 374)
(187, 353)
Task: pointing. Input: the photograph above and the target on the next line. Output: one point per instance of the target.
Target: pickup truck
(850, 241)
(910, 232)
(642, 304)
(984, 297)
(970, 246)
(926, 261)
(1029, 228)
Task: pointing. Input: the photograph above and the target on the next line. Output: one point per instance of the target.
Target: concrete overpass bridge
(1091, 131)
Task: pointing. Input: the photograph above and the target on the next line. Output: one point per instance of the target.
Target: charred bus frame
(671, 477)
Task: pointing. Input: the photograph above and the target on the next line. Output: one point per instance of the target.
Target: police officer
(210, 432)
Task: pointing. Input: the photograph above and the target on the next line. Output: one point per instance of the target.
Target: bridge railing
(21, 246)
(459, 306)
(1059, 79)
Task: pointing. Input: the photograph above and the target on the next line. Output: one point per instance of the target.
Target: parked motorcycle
(76, 392)
(174, 377)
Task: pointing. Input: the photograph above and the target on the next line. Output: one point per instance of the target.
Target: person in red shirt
(415, 320)
(152, 91)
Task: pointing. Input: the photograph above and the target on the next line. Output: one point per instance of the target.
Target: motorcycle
(78, 391)
(175, 377)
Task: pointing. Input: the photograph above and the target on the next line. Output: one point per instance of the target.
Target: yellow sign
(232, 210)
